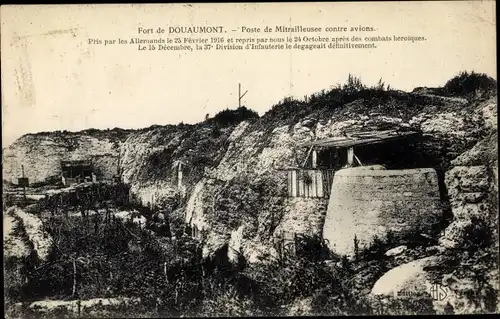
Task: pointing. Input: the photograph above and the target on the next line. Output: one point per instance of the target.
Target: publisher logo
(438, 292)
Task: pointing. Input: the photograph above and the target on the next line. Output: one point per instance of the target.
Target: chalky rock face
(468, 189)
(41, 155)
(365, 203)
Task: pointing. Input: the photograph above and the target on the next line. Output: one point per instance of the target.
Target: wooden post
(357, 159)
(350, 156)
(24, 187)
(297, 178)
(240, 96)
(289, 180)
(314, 159)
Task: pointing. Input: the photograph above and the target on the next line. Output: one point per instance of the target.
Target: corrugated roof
(361, 138)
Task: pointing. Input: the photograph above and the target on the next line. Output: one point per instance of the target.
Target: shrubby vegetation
(378, 97)
(116, 133)
(470, 85)
(94, 257)
(478, 257)
(232, 117)
(199, 146)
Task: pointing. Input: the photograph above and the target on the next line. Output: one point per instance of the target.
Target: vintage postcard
(250, 159)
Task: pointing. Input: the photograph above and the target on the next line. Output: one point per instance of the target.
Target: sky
(53, 79)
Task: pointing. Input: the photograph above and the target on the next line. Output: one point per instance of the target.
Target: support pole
(357, 160)
(350, 156)
(24, 187)
(314, 158)
(307, 156)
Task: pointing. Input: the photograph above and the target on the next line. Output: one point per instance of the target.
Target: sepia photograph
(250, 159)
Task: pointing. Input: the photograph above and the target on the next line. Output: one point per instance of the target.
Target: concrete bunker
(375, 184)
(367, 202)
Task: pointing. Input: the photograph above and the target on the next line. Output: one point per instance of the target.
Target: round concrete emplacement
(366, 202)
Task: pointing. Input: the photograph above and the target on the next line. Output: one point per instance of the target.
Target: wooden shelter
(350, 141)
(74, 171)
(315, 176)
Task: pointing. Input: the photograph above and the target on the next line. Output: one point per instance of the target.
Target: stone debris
(395, 251)
(73, 305)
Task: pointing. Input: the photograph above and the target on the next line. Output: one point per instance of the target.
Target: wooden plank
(319, 178)
(325, 183)
(304, 185)
(289, 181)
(357, 159)
(307, 186)
(297, 194)
(314, 158)
(314, 192)
(371, 138)
(295, 183)
(301, 184)
(290, 188)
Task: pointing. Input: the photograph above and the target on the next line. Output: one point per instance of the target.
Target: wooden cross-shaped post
(240, 96)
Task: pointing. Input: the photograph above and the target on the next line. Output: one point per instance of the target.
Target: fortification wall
(367, 202)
